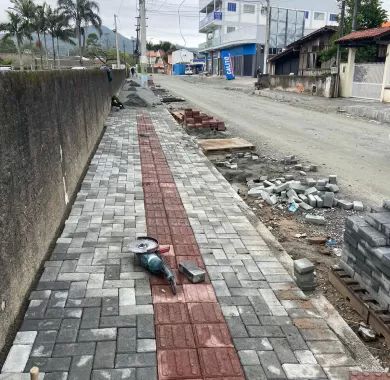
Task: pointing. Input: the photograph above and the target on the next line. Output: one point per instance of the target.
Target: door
(368, 80)
(248, 65)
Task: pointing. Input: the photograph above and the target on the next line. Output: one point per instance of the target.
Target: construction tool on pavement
(149, 256)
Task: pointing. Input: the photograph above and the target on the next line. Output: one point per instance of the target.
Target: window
(307, 15)
(232, 7)
(230, 29)
(249, 8)
(333, 17)
(319, 16)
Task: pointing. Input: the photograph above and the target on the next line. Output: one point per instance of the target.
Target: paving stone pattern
(96, 314)
(275, 329)
(190, 344)
(91, 314)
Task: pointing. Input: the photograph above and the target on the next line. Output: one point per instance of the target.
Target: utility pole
(267, 34)
(338, 55)
(142, 15)
(136, 50)
(341, 34)
(118, 57)
(355, 24)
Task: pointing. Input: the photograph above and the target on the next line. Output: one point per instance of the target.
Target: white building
(239, 26)
(182, 56)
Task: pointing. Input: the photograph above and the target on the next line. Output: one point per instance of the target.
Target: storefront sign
(227, 65)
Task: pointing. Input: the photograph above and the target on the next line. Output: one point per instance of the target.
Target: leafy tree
(93, 40)
(370, 15)
(15, 28)
(7, 62)
(7, 45)
(81, 13)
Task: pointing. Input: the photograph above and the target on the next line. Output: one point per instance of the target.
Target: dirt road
(357, 151)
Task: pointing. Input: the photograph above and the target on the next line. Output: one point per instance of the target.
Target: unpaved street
(358, 151)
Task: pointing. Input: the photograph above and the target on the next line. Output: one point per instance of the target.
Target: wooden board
(361, 301)
(217, 145)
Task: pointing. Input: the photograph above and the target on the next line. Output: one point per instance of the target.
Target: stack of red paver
(195, 119)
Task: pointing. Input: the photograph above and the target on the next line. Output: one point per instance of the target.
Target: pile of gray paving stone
(366, 252)
(306, 194)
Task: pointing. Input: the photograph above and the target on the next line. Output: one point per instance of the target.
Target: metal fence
(368, 80)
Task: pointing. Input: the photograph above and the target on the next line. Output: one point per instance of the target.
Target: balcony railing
(215, 16)
(246, 34)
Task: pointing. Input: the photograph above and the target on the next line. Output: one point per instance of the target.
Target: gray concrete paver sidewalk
(91, 314)
(276, 330)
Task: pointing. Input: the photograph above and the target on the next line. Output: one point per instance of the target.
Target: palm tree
(26, 10)
(63, 32)
(82, 13)
(15, 28)
(52, 19)
(39, 26)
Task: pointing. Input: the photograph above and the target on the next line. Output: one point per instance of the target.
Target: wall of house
(313, 85)
(50, 124)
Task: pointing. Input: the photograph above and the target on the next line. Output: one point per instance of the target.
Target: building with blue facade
(239, 27)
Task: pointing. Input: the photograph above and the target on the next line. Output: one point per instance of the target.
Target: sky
(163, 20)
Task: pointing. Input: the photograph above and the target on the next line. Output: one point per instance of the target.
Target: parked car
(188, 71)
(78, 68)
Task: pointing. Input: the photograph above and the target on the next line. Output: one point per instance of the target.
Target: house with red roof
(369, 80)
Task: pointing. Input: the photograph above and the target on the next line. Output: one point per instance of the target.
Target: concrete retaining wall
(314, 85)
(50, 123)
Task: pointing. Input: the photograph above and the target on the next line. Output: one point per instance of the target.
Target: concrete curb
(358, 111)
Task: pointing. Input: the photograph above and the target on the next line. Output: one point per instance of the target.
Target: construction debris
(367, 334)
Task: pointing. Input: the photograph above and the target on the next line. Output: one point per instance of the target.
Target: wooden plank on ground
(336, 279)
(219, 145)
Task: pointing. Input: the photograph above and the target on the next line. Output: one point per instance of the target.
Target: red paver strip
(197, 259)
(219, 362)
(369, 376)
(199, 293)
(205, 313)
(193, 340)
(171, 313)
(163, 294)
(186, 250)
(175, 336)
(212, 335)
(178, 364)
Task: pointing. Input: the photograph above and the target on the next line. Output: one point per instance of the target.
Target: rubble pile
(366, 253)
(193, 119)
(307, 194)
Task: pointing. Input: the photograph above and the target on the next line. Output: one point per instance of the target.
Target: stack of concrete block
(366, 253)
(304, 274)
(196, 119)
